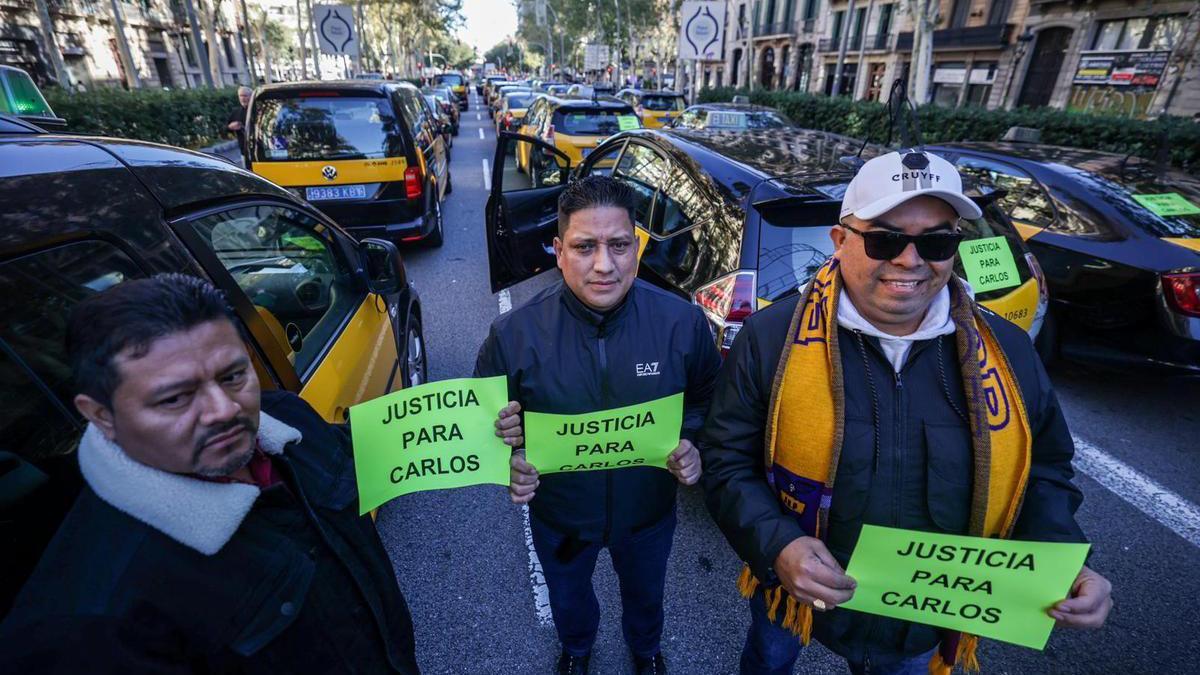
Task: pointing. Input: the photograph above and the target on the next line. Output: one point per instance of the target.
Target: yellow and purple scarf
(806, 420)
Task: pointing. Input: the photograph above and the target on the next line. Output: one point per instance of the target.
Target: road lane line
(1140, 491)
(481, 133)
(478, 117)
(541, 593)
(487, 187)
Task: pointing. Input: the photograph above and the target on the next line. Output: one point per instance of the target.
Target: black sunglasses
(886, 245)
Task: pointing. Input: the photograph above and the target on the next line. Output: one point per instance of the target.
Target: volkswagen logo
(329, 172)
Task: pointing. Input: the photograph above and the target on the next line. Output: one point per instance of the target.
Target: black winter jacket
(920, 478)
(303, 586)
(561, 357)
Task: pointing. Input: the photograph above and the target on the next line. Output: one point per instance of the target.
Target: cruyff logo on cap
(916, 174)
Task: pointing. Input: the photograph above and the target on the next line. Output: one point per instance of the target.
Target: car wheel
(1047, 342)
(416, 366)
(454, 130)
(436, 236)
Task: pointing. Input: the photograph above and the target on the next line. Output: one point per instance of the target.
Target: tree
(925, 15)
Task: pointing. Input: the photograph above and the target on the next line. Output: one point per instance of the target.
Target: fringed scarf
(806, 421)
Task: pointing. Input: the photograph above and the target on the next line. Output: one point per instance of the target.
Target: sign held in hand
(994, 588)
(429, 437)
(637, 435)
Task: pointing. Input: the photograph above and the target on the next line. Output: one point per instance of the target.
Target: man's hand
(235, 126)
(1089, 603)
(508, 425)
(522, 478)
(811, 574)
(684, 463)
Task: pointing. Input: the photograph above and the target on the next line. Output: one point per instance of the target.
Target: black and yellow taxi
(457, 83)
(369, 154)
(731, 220)
(328, 317)
(513, 108)
(656, 109)
(573, 125)
(1119, 240)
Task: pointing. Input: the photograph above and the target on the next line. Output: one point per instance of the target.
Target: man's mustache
(242, 422)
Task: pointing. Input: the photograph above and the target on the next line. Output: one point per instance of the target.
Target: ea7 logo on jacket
(645, 369)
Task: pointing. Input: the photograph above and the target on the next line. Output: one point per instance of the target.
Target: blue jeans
(772, 650)
(640, 561)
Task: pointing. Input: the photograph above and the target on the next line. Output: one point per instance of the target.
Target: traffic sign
(335, 30)
(701, 30)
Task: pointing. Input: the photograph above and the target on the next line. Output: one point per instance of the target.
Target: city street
(465, 563)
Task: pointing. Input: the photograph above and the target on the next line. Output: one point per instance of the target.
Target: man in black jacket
(218, 531)
(906, 449)
(603, 340)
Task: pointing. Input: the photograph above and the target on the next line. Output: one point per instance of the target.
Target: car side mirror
(384, 268)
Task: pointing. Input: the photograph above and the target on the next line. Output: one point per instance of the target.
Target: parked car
(731, 116)
(370, 154)
(330, 318)
(445, 104)
(657, 109)
(1119, 240)
(457, 83)
(513, 108)
(731, 220)
(574, 126)
(444, 124)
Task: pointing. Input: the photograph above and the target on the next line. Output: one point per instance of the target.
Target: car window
(37, 294)
(286, 264)
(324, 128)
(602, 163)
(588, 122)
(1121, 194)
(1026, 201)
(643, 170)
(690, 119)
(661, 103)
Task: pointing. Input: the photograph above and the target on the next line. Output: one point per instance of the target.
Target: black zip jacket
(906, 461)
(561, 357)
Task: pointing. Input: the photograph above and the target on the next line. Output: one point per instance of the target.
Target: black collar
(601, 321)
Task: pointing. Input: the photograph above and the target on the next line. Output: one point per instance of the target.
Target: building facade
(1132, 58)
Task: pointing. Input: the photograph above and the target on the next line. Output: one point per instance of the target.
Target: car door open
(522, 210)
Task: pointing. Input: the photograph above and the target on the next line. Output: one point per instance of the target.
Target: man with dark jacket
(218, 531)
(236, 122)
(603, 340)
(850, 404)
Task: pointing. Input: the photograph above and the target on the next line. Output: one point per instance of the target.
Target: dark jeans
(772, 650)
(640, 561)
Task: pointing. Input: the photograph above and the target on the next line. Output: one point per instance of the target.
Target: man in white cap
(883, 394)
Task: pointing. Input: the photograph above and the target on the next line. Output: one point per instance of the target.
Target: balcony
(765, 30)
(832, 44)
(808, 25)
(994, 36)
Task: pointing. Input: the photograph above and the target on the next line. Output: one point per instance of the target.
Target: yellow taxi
(457, 84)
(513, 108)
(573, 125)
(655, 108)
(368, 153)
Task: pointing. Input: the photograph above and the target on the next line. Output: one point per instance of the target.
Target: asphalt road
(464, 564)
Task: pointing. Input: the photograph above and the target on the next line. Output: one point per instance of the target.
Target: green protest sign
(1167, 204)
(429, 437)
(627, 122)
(995, 588)
(636, 435)
(989, 264)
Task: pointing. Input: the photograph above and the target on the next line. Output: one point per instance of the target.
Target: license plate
(336, 192)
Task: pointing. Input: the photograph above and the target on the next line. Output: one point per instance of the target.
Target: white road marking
(541, 593)
(478, 117)
(487, 186)
(481, 137)
(1142, 492)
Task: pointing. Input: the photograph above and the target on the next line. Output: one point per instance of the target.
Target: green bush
(866, 119)
(191, 118)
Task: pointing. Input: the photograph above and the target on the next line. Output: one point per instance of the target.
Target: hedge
(191, 118)
(868, 119)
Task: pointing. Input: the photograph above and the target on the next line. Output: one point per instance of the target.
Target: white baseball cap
(888, 181)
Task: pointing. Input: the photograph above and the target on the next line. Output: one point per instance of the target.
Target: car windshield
(661, 103)
(741, 119)
(433, 102)
(452, 79)
(1166, 206)
(518, 100)
(324, 127)
(588, 122)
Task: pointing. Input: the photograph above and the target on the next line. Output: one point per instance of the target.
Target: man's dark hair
(594, 192)
(132, 315)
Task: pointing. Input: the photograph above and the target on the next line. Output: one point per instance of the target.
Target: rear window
(1167, 206)
(594, 122)
(740, 119)
(660, 103)
(789, 256)
(325, 127)
(518, 100)
(452, 79)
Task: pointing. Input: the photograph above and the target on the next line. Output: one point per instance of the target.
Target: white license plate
(314, 194)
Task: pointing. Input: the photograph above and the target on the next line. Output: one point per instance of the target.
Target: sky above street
(488, 22)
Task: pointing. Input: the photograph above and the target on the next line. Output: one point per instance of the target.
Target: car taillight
(1183, 292)
(412, 182)
(727, 302)
(508, 118)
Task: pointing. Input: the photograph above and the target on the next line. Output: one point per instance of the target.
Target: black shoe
(647, 665)
(573, 665)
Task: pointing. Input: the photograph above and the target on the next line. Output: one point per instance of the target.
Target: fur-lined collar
(198, 514)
